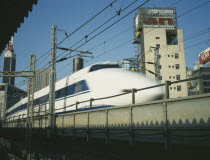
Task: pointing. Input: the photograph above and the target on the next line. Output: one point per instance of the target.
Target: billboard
(157, 18)
(204, 56)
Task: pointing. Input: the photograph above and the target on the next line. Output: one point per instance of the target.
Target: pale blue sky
(34, 35)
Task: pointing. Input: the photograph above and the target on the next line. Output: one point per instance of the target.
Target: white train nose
(158, 97)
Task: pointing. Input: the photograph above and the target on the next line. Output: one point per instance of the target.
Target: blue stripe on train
(85, 109)
(60, 94)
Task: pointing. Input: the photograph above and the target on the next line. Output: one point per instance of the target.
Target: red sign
(160, 21)
(10, 47)
(204, 57)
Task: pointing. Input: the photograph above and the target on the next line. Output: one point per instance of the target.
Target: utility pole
(4, 107)
(30, 108)
(30, 74)
(52, 79)
(156, 62)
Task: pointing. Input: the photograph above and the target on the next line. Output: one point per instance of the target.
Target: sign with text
(204, 56)
(157, 18)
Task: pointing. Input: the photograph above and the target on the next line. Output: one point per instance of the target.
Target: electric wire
(111, 4)
(129, 13)
(104, 29)
(189, 38)
(87, 35)
(175, 3)
(201, 5)
(199, 33)
(182, 13)
(184, 39)
(109, 26)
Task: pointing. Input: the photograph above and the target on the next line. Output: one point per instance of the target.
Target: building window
(169, 66)
(160, 67)
(157, 37)
(160, 78)
(179, 88)
(176, 55)
(168, 55)
(170, 88)
(206, 84)
(171, 37)
(174, 88)
(172, 55)
(2, 87)
(159, 56)
(172, 66)
(157, 45)
(178, 77)
(206, 90)
(177, 66)
(169, 77)
(173, 77)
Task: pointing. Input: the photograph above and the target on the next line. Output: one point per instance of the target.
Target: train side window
(70, 90)
(58, 94)
(78, 87)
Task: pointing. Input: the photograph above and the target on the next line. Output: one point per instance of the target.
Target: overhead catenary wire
(110, 39)
(111, 25)
(176, 3)
(199, 33)
(191, 46)
(111, 4)
(184, 39)
(134, 10)
(182, 13)
(104, 29)
(87, 35)
(87, 21)
(151, 59)
(201, 5)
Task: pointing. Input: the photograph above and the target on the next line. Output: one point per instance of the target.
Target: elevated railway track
(168, 121)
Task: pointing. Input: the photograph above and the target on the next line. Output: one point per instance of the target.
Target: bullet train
(95, 81)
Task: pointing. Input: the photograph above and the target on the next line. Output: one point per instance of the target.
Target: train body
(96, 81)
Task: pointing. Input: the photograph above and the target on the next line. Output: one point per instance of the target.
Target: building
(41, 79)
(9, 95)
(201, 68)
(78, 64)
(199, 86)
(9, 63)
(129, 63)
(161, 48)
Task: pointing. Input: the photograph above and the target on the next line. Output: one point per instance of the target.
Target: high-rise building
(9, 95)
(9, 63)
(161, 48)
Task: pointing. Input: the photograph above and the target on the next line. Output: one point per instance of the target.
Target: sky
(114, 44)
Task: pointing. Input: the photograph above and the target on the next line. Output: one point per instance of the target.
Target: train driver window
(103, 66)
